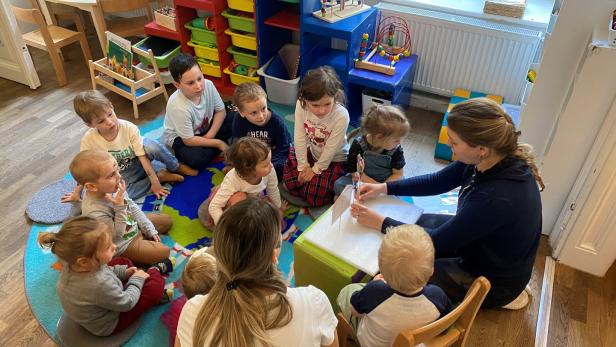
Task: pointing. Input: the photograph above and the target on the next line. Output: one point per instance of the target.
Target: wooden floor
(39, 135)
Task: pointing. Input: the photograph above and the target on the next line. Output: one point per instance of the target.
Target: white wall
(563, 133)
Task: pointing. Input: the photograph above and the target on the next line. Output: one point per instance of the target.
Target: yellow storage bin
(209, 67)
(242, 5)
(248, 41)
(205, 51)
(239, 79)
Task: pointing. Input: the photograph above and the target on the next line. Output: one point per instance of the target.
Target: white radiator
(463, 52)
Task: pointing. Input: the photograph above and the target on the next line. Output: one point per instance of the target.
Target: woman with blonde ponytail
(250, 304)
(495, 232)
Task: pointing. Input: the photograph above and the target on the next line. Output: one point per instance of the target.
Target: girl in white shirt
(317, 159)
(252, 173)
(250, 304)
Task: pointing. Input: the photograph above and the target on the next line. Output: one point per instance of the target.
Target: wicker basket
(507, 8)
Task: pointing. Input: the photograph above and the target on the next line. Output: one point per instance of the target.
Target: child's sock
(164, 266)
(166, 176)
(167, 296)
(186, 170)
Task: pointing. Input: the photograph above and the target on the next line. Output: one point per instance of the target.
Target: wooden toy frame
(102, 75)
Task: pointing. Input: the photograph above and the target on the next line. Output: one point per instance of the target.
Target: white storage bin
(370, 97)
(280, 90)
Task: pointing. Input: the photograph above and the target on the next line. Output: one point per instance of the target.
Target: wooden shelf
(288, 18)
(154, 29)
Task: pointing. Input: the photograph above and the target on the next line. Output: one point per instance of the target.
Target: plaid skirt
(320, 190)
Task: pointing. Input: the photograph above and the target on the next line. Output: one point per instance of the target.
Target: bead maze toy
(391, 29)
(334, 10)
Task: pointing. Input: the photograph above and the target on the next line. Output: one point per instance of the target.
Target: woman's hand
(368, 190)
(366, 216)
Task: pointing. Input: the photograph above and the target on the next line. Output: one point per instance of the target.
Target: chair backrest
(28, 15)
(119, 6)
(460, 319)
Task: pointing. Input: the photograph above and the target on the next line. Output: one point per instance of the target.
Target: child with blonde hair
(399, 298)
(382, 128)
(254, 119)
(317, 159)
(252, 173)
(97, 171)
(250, 303)
(144, 163)
(198, 278)
(91, 291)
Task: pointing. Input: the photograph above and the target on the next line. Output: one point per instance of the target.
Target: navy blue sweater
(274, 133)
(497, 226)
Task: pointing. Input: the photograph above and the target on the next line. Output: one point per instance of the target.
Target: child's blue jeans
(137, 181)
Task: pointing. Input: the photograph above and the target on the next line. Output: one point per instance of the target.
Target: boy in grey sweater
(134, 234)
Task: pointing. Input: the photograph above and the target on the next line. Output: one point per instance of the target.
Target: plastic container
(244, 56)
(209, 67)
(164, 50)
(370, 97)
(205, 50)
(240, 20)
(201, 35)
(278, 73)
(242, 5)
(239, 79)
(248, 41)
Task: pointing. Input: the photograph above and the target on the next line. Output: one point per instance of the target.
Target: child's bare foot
(166, 176)
(186, 170)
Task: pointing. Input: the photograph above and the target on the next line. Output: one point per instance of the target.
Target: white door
(587, 225)
(15, 61)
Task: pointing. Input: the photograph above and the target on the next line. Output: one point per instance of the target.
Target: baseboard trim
(545, 305)
(430, 102)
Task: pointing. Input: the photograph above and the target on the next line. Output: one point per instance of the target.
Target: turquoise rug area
(41, 269)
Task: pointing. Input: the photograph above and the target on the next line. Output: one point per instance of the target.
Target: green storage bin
(244, 56)
(314, 266)
(164, 50)
(201, 35)
(240, 20)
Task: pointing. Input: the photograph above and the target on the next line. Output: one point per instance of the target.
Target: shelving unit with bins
(276, 22)
(186, 11)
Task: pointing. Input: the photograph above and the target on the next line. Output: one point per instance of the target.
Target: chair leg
(57, 65)
(85, 48)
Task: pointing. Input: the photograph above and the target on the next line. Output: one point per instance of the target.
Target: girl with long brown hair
(250, 304)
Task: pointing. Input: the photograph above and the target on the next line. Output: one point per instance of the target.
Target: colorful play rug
(41, 269)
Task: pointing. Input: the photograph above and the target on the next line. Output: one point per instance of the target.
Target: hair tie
(231, 285)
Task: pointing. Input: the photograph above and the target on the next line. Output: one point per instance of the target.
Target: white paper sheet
(354, 243)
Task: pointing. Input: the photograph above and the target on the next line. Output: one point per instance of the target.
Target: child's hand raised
(142, 274)
(118, 200)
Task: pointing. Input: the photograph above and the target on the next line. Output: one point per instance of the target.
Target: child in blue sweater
(254, 119)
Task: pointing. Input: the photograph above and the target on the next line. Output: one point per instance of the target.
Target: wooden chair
(451, 330)
(126, 27)
(51, 38)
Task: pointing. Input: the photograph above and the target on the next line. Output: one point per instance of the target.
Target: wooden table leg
(99, 24)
